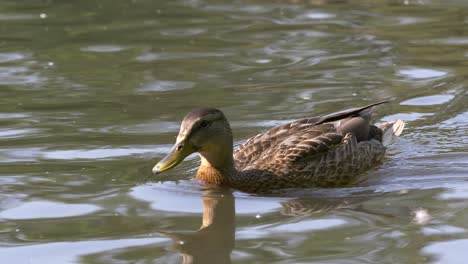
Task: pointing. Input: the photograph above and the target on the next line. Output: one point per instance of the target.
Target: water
(92, 94)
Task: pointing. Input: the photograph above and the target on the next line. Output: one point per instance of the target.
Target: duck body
(328, 151)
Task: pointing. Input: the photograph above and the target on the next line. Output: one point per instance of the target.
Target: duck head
(206, 131)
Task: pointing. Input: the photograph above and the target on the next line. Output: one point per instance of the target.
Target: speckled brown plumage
(328, 151)
(328, 159)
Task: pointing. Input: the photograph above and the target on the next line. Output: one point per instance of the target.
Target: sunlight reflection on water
(47, 209)
(93, 95)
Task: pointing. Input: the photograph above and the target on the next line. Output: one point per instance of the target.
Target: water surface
(92, 94)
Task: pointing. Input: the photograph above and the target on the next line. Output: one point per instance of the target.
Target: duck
(317, 152)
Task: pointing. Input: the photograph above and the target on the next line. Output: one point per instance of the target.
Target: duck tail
(365, 111)
(391, 131)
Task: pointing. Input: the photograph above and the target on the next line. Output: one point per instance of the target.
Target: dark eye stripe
(204, 123)
(199, 125)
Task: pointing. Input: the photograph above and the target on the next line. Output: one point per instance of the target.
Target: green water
(92, 94)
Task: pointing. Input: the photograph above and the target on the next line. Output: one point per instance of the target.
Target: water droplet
(421, 216)
(263, 61)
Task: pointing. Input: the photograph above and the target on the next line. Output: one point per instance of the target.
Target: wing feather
(302, 139)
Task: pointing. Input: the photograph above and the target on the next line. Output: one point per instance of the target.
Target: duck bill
(178, 153)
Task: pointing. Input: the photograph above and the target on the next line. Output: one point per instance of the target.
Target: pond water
(92, 94)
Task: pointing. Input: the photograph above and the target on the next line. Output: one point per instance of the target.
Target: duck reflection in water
(215, 240)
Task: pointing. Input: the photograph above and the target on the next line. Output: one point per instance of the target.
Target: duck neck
(217, 167)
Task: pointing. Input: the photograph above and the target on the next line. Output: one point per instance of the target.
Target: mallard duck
(328, 151)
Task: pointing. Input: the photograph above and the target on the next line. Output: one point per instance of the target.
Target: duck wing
(281, 146)
(261, 144)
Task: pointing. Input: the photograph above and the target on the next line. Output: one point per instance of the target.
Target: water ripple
(183, 32)
(69, 252)
(14, 115)
(419, 73)
(442, 230)
(462, 41)
(19, 75)
(8, 57)
(404, 21)
(103, 48)
(453, 251)
(406, 116)
(103, 153)
(429, 100)
(172, 198)
(178, 55)
(309, 225)
(17, 133)
(93, 93)
(318, 15)
(153, 128)
(164, 86)
(47, 209)
(17, 17)
(34, 154)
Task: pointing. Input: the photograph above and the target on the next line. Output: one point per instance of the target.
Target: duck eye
(204, 123)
